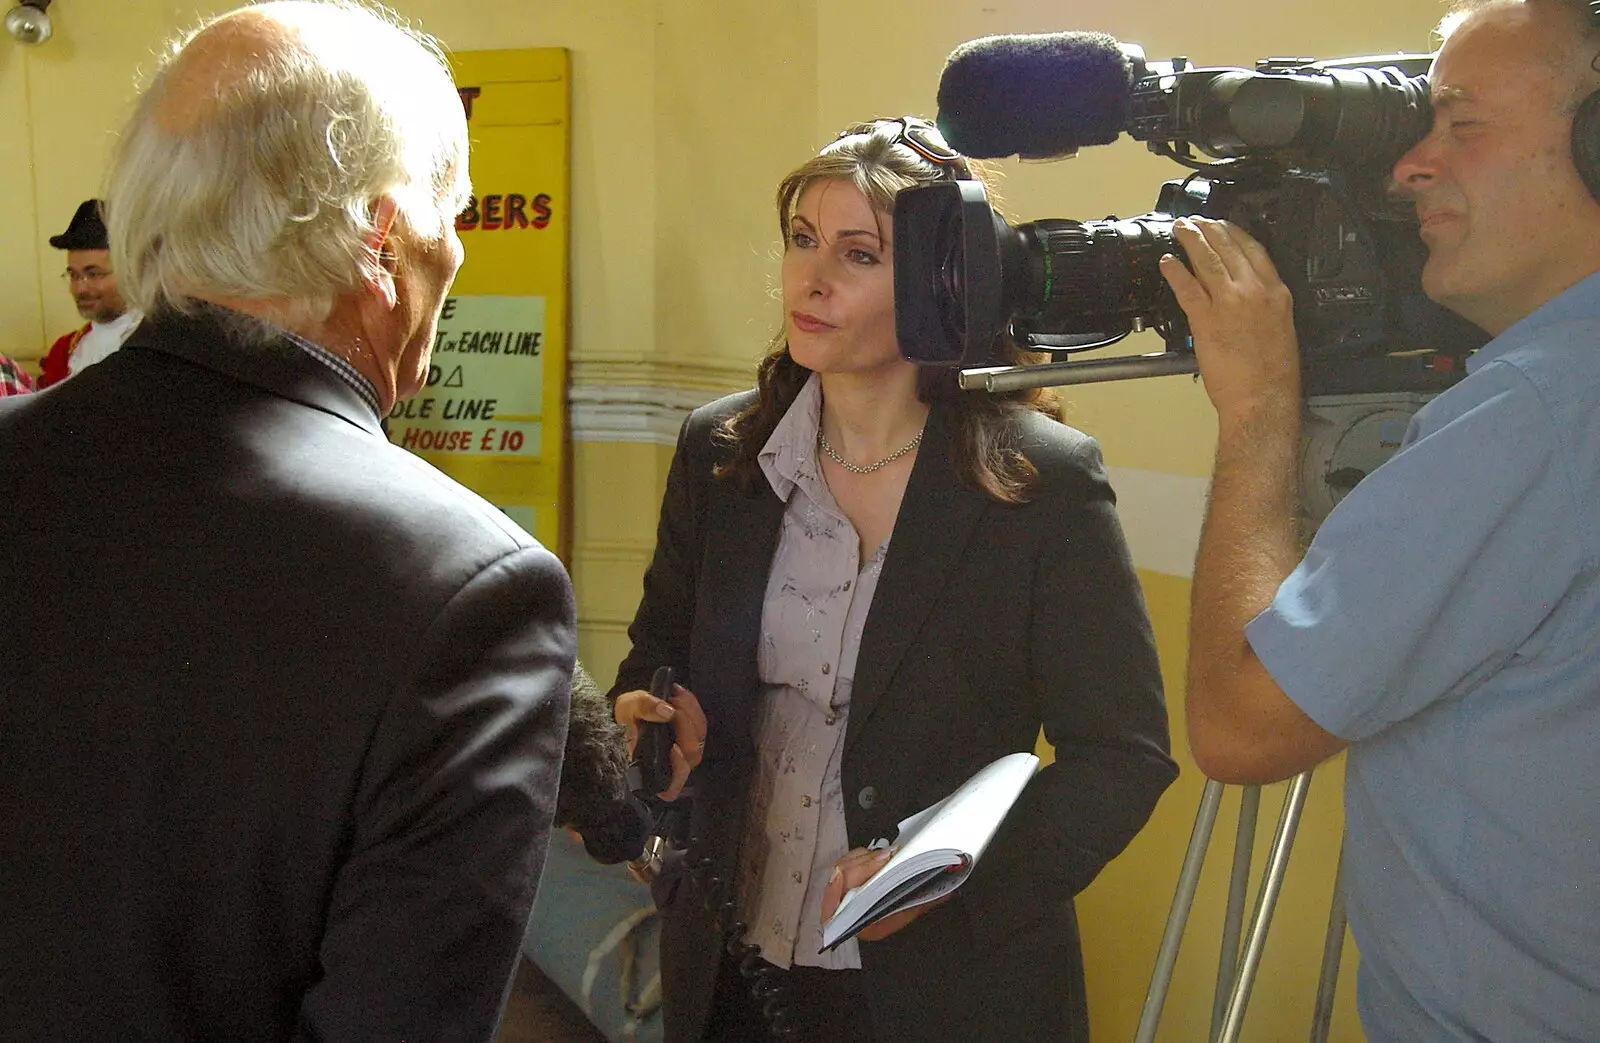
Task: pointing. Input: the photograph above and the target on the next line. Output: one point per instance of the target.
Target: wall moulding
(596, 625)
(688, 373)
(627, 553)
(623, 397)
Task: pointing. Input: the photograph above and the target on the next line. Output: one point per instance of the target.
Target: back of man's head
(251, 165)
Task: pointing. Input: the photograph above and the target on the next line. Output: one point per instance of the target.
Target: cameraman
(1445, 623)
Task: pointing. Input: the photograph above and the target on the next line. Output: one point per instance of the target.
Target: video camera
(1300, 153)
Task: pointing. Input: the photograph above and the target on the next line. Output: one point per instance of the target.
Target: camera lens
(962, 274)
(949, 281)
(951, 292)
(1096, 277)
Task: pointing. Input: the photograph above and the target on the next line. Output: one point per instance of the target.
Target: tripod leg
(1178, 916)
(1332, 950)
(1244, 842)
(1266, 900)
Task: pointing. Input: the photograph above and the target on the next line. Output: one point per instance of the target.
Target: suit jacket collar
(937, 518)
(213, 338)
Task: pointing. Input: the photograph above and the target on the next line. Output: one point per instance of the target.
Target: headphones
(1586, 125)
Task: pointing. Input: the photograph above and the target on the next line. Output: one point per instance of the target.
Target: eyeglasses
(88, 275)
(919, 135)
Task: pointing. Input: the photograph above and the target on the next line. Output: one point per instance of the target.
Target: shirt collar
(121, 324)
(340, 367)
(1577, 303)
(790, 456)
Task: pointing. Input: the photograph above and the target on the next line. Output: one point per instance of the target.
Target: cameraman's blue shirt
(1447, 621)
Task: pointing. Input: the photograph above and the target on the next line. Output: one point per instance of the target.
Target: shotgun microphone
(1042, 95)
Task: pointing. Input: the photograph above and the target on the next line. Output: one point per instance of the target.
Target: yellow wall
(686, 113)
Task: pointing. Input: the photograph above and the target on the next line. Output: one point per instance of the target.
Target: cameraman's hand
(1241, 315)
(688, 727)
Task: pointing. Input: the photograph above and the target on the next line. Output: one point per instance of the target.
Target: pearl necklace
(822, 440)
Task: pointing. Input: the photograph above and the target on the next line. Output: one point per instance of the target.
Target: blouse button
(825, 668)
(796, 877)
(831, 719)
(805, 802)
(847, 584)
(868, 797)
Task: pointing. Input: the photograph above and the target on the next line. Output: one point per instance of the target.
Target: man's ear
(381, 243)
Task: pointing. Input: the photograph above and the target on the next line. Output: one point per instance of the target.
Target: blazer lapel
(937, 518)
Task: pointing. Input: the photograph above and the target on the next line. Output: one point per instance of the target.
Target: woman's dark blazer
(989, 620)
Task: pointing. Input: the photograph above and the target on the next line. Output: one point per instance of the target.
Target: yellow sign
(483, 395)
(493, 414)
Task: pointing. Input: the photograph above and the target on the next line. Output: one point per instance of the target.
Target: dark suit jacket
(989, 620)
(279, 757)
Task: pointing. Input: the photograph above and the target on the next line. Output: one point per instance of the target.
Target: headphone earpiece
(1586, 124)
(1586, 142)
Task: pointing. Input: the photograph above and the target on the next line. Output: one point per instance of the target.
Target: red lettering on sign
(504, 211)
(516, 216)
(422, 440)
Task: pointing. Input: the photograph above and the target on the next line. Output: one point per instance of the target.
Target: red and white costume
(84, 346)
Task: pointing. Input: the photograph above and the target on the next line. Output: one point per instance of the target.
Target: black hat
(86, 232)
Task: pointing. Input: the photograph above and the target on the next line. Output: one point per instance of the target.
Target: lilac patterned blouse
(818, 595)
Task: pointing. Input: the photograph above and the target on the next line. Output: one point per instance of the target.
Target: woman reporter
(874, 584)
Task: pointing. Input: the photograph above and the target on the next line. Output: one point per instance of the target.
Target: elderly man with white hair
(286, 765)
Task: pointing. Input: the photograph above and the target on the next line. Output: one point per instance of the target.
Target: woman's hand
(688, 729)
(857, 867)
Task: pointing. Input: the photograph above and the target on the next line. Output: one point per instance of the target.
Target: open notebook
(936, 848)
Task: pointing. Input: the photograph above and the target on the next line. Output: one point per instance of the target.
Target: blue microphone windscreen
(1034, 95)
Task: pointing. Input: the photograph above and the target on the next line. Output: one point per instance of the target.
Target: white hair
(268, 192)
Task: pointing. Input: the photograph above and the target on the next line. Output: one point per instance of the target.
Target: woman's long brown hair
(983, 441)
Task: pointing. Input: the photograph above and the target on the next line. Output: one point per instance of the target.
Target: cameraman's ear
(380, 241)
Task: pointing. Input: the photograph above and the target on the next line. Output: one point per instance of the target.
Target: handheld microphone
(1039, 96)
(645, 825)
(618, 831)
(650, 769)
(618, 813)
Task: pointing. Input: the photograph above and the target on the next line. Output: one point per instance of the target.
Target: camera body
(1300, 154)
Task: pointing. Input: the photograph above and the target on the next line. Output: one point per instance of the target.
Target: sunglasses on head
(919, 135)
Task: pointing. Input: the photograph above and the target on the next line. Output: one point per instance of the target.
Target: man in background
(286, 765)
(1445, 622)
(94, 290)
